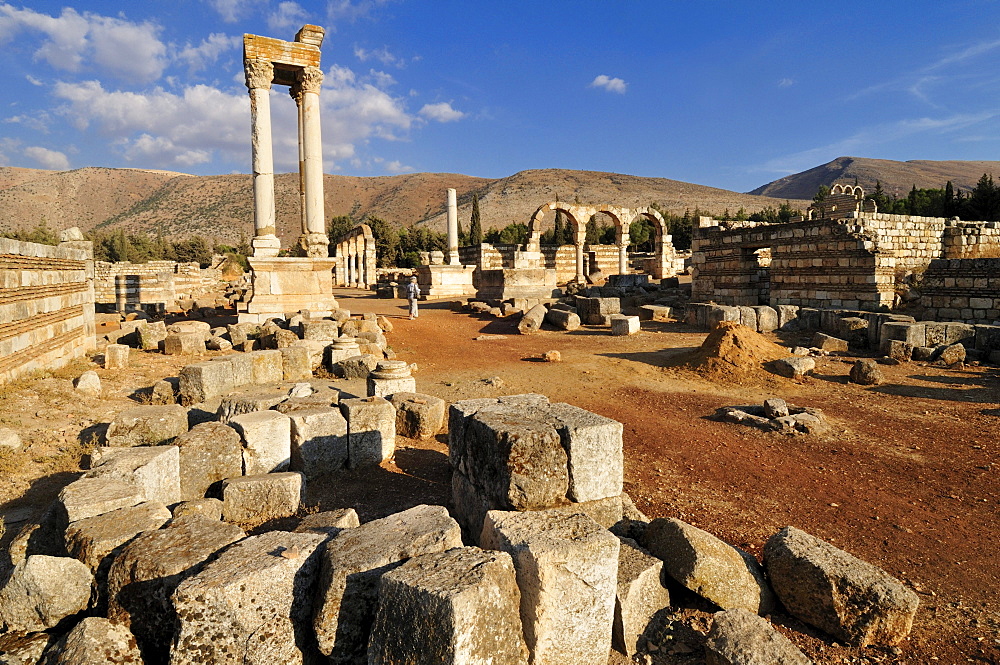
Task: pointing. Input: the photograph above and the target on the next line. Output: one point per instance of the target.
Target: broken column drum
(390, 377)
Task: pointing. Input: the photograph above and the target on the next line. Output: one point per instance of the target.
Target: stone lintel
(284, 55)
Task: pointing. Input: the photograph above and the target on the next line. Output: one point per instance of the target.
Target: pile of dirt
(732, 351)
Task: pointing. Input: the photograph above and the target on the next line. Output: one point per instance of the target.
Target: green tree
(948, 203)
(821, 194)
(386, 242)
(338, 226)
(475, 223)
(593, 231)
(983, 204)
(640, 234)
(880, 198)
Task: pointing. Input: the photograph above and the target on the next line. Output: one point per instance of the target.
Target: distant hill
(896, 177)
(221, 207)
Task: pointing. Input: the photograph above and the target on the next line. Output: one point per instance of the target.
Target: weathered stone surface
(242, 367)
(713, 569)
(854, 330)
(203, 381)
(567, 571)
(164, 392)
(320, 329)
(866, 372)
(201, 328)
(251, 605)
(829, 343)
(314, 349)
(767, 318)
(357, 367)
(418, 416)
(921, 353)
(296, 363)
(147, 571)
(179, 344)
(11, 440)
(775, 408)
(459, 607)
(531, 321)
(257, 499)
(93, 539)
(234, 405)
(655, 313)
(241, 332)
(825, 586)
(147, 425)
(329, 523)
(952, 354)
(88, 383)
(209, 453)
(639, 597)
(116, 356)
(319, 440)
(218, 344)
(740, 637)
(267, 440)
(25, 650)
(795, 367)
(151, 335)
(371, 427)
(622, 325)
(44, 590)
(155, 470)
(88, 497)
(95, 641)
(354, 562)
(898, 350)
(266, 367)
(593, 446)
(207, 508)
(562, 319)
(597, 311)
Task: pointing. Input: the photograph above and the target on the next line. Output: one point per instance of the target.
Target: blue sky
(727, 94)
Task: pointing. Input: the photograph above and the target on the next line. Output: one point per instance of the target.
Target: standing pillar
(452, 229)
(581, 238)
(295, 91)
(623, 253)
(310, 80)
(259, 74)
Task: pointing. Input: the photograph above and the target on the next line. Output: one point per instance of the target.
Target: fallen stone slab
(357, 367)
(218, 344)
(829, 343)
(147, 425)
(353, 564)
(89, 497)
(155, 470)
(531, 321)
(184, 344)
(267, 441)
(418, 416)
(191, 328)
(296, 363)
(567, 571)
(795, 367)
(848, 598)
(147, 571)
(740, 637)
(329, 523)
(88, 383)
(250, 605)
(94, 539)
(208, 453)
(319, 440)
(371, 430)
(898, 350)
(240, 403)
(324, 330)
(655, 313)
(640, 595)
(207, 508)
(459, 607)
(623, 326)
(713, 569)
(44, 590)
(257, 499)
(116, 356)
(94, 641)
(949, 355)
(266, 367)
(201, 382)
(151, 335)
(562, 319)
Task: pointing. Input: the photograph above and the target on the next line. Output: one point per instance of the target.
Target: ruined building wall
(971, 240)
(966, 290)
(913, 241)
(160, 283)
(561, 258)
(46, 305)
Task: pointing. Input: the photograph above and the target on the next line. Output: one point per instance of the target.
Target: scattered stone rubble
(775, 415)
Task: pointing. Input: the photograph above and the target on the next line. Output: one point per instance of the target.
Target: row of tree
(981, 203)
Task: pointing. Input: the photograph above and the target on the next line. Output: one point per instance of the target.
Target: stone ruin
(356, 258)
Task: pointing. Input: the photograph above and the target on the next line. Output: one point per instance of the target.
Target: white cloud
(786, 82)
(38, 121)
(442, 112)
(33, 81)
(381, 79)
(210, 49)
(609, 84)
(129, 51)
(381, 54)
(288, 15)
(233, 10)
(351, 11)
(47, 159)
(396, 166)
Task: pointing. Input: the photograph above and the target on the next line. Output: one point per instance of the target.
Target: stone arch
(837, 189)
(534, 243)
(663, 243)
(356, 258)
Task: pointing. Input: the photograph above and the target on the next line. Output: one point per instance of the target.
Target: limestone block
(147, 571)
(748, 317)
(296, 363)
(960, 332)
(329, 523)
(854, 330)
(267, 440)
(376, 338)
(94, 641)
(155, 470)
(383, 387)
(201, 328)
(147, 425)
(353, 564)
(164, 392)
(418, 416)
(713, 569)
(357, 367)
(848, 598)
(371, 430)
(384, 323)
(315, 349)
(914, 333)
(11, 440)
(319, 440)
(251, 605)
(461, 412)
(622, 325)
(640, 595)
(898, 350)
(207, 508)
(562, 319)
(284, 338)
(266, 367)
(93, 539)
(88, 383)
(177, 344)
(242, 332)
(459, 607)
(866, 372)
(567, 571)
(257, 499)
(740, 637)
(655, 313)
(531, 321)
(952, 354)
(26, 650)
(767, 318)
(787, 315)
(795, 367)
(116, 356)
(593, 445)
(88, 497)
(209, 453)
(922, 353)
(44, 590)
(201, 382)
(238, 404)
(151, 335)
(829, 343)
(775, 408)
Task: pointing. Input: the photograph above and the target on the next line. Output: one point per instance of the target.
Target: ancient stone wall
(971, 240)
(46, 305)
(914, 241)
(154, 283)
(561, 258)
(966, 290)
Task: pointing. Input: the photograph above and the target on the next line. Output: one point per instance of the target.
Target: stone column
(452, 229)
(259, 74)
(622, 251)
(295, 92)
(351, 279)
(317, 244)
(581, 238)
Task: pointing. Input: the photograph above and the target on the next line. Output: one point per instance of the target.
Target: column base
(285, 285)
(507, 283)
(265, 246)
(445, 281)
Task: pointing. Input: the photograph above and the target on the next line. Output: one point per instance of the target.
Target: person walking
(413, 295)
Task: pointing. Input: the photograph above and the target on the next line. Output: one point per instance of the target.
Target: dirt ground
(907, 477)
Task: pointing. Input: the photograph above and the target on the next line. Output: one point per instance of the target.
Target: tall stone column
(623, 252)
(452, 229)
(317, 244)
(259, 74)
(295, 92)
(580, 238)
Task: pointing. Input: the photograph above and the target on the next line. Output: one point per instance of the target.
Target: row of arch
(356, 260)
(577, 215)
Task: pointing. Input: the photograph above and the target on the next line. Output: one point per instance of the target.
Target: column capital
(310, 79)
(259, 74)
(295, 92)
